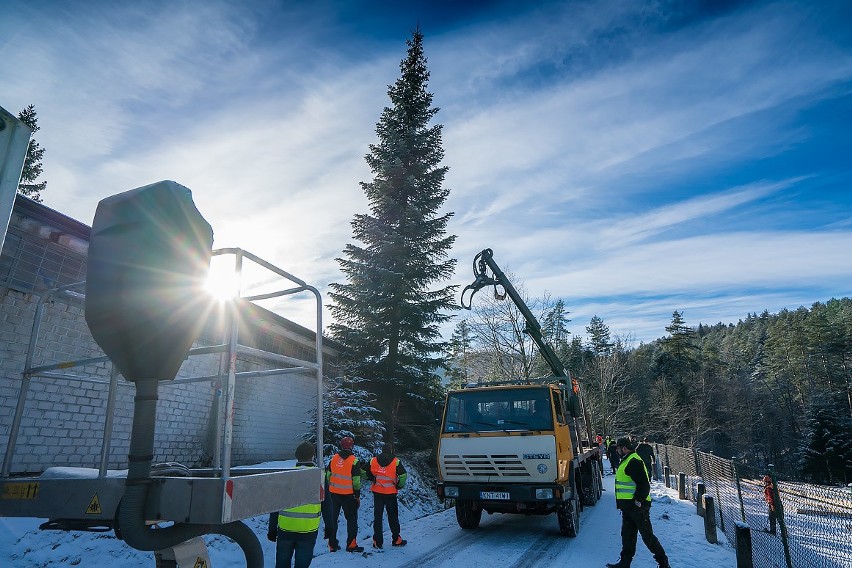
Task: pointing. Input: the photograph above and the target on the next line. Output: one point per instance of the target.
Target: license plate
(493, 495)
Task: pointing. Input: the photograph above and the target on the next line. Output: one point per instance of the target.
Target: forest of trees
(773, 388)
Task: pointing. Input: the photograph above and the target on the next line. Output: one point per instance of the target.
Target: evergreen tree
(599, 338)
(347, 410)
(32, 164)
(458, 355)
(387, 315)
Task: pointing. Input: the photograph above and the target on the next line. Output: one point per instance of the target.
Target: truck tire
(590, 497)
(467, 515)
(567, 513)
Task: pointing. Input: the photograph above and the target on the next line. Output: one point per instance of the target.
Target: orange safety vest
(385, 477)
(341, 475)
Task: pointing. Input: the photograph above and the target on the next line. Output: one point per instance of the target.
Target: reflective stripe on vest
(625, 488)
(340, 481)
(385, 481)
(301, 519)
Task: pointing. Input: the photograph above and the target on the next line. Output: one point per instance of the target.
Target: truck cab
(513, 449)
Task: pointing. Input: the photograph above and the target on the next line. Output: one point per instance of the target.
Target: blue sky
(632, 158)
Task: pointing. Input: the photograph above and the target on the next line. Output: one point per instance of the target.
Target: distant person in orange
(769, 497)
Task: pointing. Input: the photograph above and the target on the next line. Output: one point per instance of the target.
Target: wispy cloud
(604, 150)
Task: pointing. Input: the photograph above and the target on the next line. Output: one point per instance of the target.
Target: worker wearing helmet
(344, 487)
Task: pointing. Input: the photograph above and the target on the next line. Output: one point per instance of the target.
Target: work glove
(358, 502)
(272, 536)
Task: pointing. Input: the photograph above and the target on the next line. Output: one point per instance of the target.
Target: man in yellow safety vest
(295, 529)
(633, 499)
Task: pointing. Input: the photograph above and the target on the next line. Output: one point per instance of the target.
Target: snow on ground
(435, 540)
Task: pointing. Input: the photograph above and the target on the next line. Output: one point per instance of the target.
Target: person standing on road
(613, 456)
(344, 487)
(388, 476)
(633, 499)
(294, 530)
(646, 452)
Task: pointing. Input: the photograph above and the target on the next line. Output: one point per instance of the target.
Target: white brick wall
(63, 419)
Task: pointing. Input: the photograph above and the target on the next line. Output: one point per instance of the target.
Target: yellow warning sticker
(20, 490)
(200, 563)
(94, 507)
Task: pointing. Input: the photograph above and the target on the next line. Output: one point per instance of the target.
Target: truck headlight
(544, 493)
(451, 492)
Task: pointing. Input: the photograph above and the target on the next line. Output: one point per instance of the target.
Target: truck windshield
(524, 409)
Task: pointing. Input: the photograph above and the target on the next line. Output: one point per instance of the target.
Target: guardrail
(812, 526)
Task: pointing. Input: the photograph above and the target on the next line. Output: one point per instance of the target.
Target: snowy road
(534, 542)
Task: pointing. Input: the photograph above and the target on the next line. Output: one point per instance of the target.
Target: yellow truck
(521, 447)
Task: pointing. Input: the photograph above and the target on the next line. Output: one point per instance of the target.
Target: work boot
(353, 547)
(333, 546)
(398, 541)
(377, 544)
(620, 564)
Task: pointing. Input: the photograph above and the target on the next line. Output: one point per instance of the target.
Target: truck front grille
(477, 465)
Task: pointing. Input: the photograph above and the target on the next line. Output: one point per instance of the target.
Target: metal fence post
(739, 488)
(743, 545)
(710, 519)
(681, 486)
(699, 500)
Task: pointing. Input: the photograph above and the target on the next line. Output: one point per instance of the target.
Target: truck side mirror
(148, 257)
(439, 411)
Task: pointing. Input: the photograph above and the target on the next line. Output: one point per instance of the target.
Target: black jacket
(635, 470)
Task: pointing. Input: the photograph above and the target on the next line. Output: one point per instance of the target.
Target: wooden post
(667, 473)
(743, 545)
(710, 519)
(681, 485)
(699, 501)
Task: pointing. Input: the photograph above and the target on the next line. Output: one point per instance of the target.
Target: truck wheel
(467, 515)
(590, 495)
(569, 518)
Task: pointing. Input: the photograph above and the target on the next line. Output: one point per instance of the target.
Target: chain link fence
(808, 526)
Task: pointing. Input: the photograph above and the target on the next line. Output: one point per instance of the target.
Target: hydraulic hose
(131, 517)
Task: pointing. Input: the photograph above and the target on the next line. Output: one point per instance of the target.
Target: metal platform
(88, 499)
(204, 497)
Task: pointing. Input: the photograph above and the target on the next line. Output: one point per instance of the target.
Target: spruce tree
(389, 311)
(32, 164)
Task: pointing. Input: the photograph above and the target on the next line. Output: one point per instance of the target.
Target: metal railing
(813, 523)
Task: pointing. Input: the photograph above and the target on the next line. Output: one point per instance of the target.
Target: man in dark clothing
(612, 456)
(295, 529)
(388, 476)
(344, 487)
(633, 499)
(646, 452)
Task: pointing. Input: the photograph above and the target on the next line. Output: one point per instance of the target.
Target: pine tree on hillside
(32, 164)
(388, 313)
(348, 410)
(458, 352)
